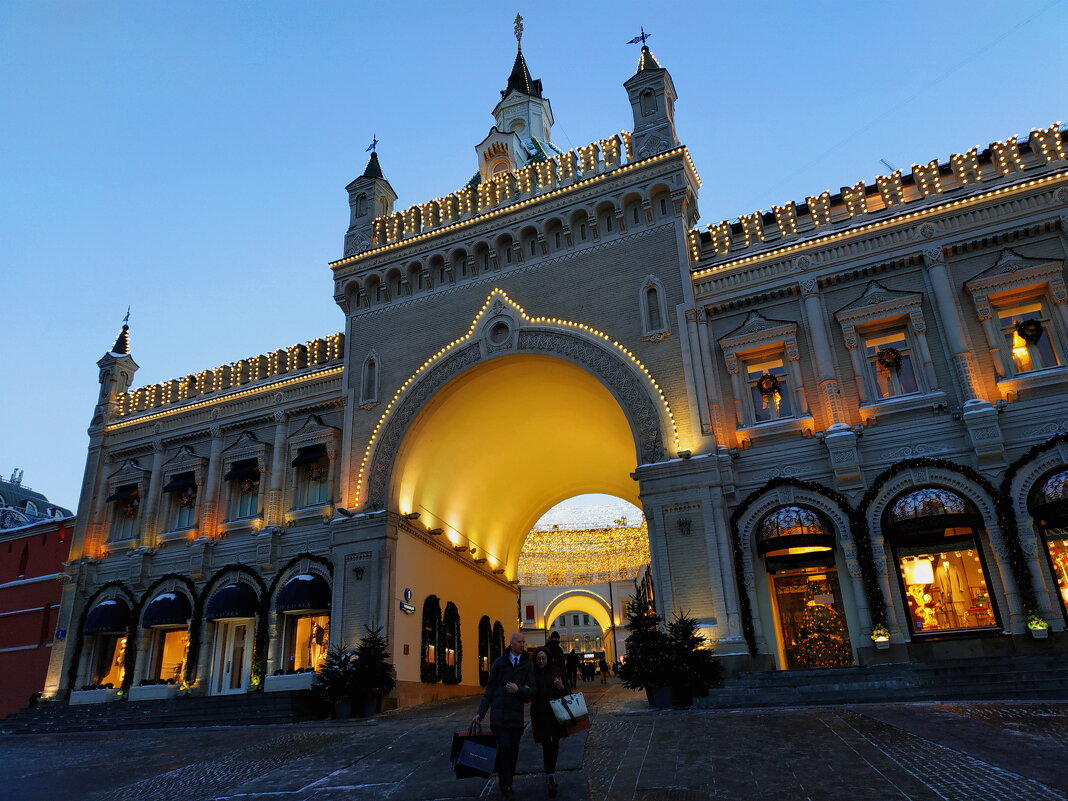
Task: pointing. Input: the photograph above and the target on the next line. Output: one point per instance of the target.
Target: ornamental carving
(606, 365)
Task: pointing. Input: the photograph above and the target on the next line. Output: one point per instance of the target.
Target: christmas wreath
(188, 499)
(768, 384)
(317, 472)
(248, 486)
(1029, 330)
(890, 358)
(129, 509)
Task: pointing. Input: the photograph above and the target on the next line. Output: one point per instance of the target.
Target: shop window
(182, 491)
(1049, 506)
(313, 470)
(935, 537)
(769, 396)
(1027, 338)
(305, 641)
(450, 641)
(430, 657)
(890, 367)
(244, 481)
(168, 654)
(125, 503)
(109, 659)
(485, 633)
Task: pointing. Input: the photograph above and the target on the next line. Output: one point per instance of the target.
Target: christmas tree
(822, 637)
(374, 673)
(695, 668)
(647, 664)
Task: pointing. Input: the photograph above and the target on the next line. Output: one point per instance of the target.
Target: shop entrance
(233, 656)
(811, 618)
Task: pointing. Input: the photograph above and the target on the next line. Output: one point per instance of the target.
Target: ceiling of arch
(506, 441)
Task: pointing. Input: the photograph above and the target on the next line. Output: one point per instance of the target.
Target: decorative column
(840, 440)
(151, 526)
(210, 508)
(715, 409)
(980, 418)
(278, 470)
(698, 362)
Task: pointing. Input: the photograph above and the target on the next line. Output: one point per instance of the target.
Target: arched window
(582, 231)
(532, 243)
(652, 305)
(652, 310)
(31, 508)
(361, 204)
(663, 206)
(450, 640)
(369, 380)
(24, 560)
(608, 222)
(634, 214)
(648, 102)
(1049, 508)
(794, 536)
(497, 645)
(430, 656)
(942, 573)
(485, 633)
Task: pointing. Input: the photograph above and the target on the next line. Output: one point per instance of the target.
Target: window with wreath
(313, 469)
(768, 384)
(430, 655)
(125, 503)
(181, 491)
(934, 533)
(1049, 507)
(243, 479)
(1026, 331)
(890, 364)
(450, 640)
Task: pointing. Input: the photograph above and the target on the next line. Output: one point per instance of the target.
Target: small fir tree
(373, 676)
(335, 680)
(695, 668)
(647, 664)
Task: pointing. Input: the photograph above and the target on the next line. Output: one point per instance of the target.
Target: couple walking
(514, 680)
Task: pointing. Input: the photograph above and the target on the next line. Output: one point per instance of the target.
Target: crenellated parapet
(253, 372)
(506, 190)
(890, 195)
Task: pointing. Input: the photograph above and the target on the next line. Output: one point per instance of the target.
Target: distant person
(572, 668)
(556, 653)
(551, 685)
(511, 684)
(604, 671)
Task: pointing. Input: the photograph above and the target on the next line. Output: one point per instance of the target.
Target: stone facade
(830, 356)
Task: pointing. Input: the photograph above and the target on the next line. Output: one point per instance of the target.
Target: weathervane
(641, 38)
(126, 319)
(519, 30)
(373, 147)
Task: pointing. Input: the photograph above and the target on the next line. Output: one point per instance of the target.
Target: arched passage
(579, 601)
(506, 440)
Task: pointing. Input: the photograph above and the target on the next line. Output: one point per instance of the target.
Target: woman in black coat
(551, 684)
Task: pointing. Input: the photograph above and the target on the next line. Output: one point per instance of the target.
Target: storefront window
(1049, 505)
(108, 660)
(306, 641)
(168, 658)
(934, 534)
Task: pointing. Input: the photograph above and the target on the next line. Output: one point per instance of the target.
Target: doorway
(233, 656)
(811, 618)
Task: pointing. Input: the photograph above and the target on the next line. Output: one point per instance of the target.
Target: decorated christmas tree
(822, 637)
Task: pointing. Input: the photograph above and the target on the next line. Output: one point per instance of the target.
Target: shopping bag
(575, 726)
(566, 709)
(475, 736)
(474, 759)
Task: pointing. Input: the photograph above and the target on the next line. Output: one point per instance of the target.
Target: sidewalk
(919, 752)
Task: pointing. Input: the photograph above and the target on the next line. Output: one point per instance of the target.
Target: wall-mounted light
(685, 454)
(460, 548)
(437, 532)
(412, 516)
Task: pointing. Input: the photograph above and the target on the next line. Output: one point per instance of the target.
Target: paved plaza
(919, 752)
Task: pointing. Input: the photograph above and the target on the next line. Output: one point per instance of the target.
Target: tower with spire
(652, 100)
(370, 196)
(524, 120)
(117, 369)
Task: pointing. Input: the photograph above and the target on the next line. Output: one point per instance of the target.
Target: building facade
(844, 420)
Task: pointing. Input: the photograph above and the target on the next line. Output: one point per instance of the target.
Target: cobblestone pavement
(913, 752)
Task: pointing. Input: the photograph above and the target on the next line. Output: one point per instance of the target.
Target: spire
(520, 80)
(122, 341)
(373, 168)
(647, 61)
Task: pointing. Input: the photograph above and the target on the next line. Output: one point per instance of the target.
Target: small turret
(652, 100)
(370, 196)
(117, 369)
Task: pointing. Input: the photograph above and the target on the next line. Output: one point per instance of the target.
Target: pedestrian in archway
(604, 671)
(551, 685)
(556, 653)
(572, 668)
(511, 684)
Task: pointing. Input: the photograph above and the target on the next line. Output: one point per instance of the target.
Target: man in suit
(511, 684)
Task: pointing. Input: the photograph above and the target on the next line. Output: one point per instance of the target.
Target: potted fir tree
(336, 680)
(373, 677)
(694, 667)
(647, 664)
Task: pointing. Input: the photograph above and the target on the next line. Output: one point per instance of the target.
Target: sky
(188, 159)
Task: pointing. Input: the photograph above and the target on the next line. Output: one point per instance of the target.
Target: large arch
(578, 600)
(517, 416)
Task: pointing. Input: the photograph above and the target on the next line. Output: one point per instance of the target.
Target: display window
(1049, 506)
(941, 571)
(168, 654)
(109, 657)
(306, 638)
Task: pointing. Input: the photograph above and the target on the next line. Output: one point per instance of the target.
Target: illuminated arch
(585, 601)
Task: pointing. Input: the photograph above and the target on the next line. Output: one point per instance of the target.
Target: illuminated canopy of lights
(586, 556)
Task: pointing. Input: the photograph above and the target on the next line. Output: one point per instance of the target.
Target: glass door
(812, 621)
(233, 656)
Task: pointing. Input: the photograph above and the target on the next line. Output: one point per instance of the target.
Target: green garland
(452, 617)
(430, 672)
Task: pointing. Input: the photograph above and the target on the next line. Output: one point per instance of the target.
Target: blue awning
(167, 609)
(305, 591)
(108, 617)
(233, 600)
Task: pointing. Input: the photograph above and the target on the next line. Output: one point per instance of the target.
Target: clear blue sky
(189, 158)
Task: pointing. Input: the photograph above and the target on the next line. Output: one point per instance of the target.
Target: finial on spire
(640, 38)
(373, 147)
(126, 319)
(122, 341)
(519, 30)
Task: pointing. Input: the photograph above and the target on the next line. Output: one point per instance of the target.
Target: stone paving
(913, 752)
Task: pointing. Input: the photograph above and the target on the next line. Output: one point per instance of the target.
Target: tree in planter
(336, 679)
(694, 667)
(373, 673)
(647, 664)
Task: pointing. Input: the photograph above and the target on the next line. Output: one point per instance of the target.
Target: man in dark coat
(572, 668)
(556, 653)
(511, 684)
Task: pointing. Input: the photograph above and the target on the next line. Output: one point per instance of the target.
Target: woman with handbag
(551, 684)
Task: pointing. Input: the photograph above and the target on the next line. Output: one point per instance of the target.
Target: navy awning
(167, 609)
(233, 600)
(181, 483)
(304, 591)
(309, 455)
(122, 493)
(108, 617)
(240, 472)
